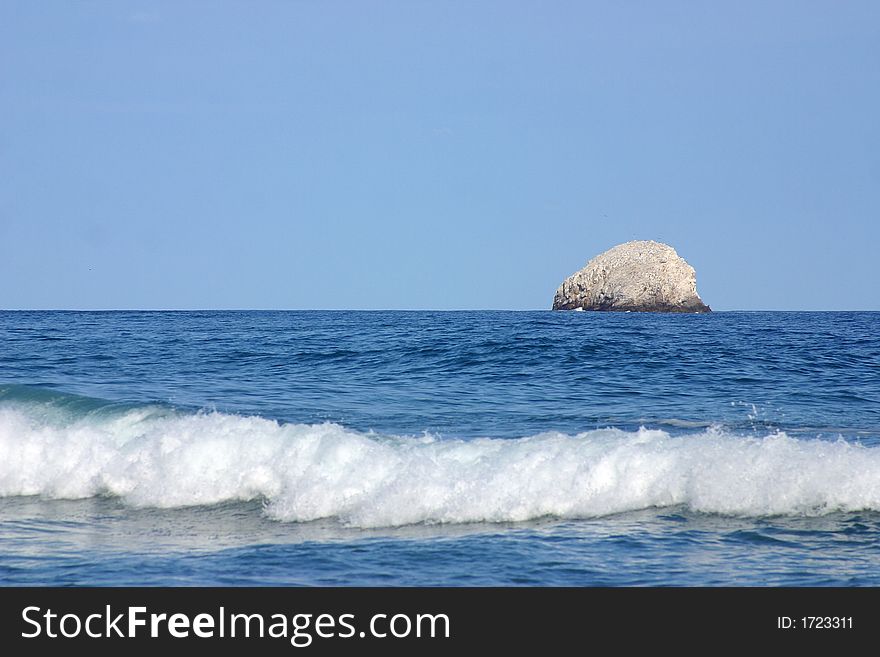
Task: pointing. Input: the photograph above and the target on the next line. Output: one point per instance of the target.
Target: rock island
(639, 276)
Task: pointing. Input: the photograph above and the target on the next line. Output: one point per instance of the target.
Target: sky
(434, 155)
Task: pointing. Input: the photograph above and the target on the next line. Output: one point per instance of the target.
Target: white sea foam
(306, 472)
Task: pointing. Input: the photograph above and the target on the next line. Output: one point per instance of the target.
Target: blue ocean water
(439, 448)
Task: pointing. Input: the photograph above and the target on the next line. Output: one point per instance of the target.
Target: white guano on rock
(639, 276)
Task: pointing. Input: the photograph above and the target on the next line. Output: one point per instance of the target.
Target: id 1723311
(814, 623)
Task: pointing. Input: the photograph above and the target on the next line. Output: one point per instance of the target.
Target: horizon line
(435, 310)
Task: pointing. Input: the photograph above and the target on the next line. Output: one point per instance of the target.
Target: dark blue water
(448, 448)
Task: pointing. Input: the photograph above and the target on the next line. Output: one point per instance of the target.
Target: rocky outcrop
(641, 276)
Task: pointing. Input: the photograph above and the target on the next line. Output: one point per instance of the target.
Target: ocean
(345, 448)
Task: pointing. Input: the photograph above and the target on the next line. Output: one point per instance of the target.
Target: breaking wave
(150, 456)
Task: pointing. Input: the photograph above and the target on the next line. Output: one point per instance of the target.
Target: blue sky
(434, 154)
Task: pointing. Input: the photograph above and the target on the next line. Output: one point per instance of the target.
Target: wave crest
(306, 472)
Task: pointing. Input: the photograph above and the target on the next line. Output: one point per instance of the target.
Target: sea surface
(439, 448)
